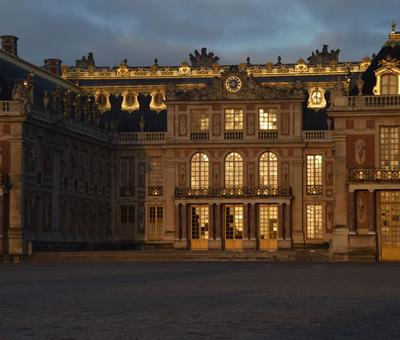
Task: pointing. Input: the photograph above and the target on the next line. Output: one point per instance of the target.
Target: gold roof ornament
(394, 36)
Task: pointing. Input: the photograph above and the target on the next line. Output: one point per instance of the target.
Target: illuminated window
(268, 221)
(389, 84)
(155, 171)
(234, 222)
(127, 176)
(233, 170)
(199, 171)
(389, 218)
(389, 147)
(314, 221)
(199, 120)
(127, 214)
(233, 119)
(314, 174)
(200, 222)
(268, 170)
(156, 222)
(267, 120)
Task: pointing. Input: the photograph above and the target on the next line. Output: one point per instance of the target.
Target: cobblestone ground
(199, 300)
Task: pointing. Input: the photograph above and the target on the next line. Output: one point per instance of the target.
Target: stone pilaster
(372, 205)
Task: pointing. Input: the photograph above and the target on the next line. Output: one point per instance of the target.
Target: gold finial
(393, 26)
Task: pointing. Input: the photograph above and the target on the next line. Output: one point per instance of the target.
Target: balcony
(8, 107)
(126, 191)
(249, 192)
(365, 102)
(374, 175)
(233, 135)
(317, 135)
(126, 138)
(155, 191)
(199, 135)
(268, 134)
(314, 190)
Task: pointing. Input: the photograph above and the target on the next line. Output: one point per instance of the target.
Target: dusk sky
(170, 29)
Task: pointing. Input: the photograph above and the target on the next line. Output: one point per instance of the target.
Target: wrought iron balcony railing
(126, 191)
(373, 175)
(233, 192)
(156, 191)
(314, 189)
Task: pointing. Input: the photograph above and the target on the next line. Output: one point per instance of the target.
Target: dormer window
(387, 77)
(389, 84)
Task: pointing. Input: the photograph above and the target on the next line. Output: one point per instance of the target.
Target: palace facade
(202, 156)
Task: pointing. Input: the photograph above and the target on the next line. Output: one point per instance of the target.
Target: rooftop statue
(85, 62)
(203, 59)
(324, 57)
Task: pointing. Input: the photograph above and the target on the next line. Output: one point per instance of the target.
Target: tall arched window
(234, 170)
(268, 170)
(199, 171)
(389, 84)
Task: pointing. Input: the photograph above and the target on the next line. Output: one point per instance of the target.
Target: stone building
(202, 156)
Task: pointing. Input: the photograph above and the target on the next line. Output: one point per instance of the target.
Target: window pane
(199, 120)
(233, 119)
(268, 119)
(268, 167)
(155, 171)
(199, 171)
(389, 147)
(314, 221)
(234, 170)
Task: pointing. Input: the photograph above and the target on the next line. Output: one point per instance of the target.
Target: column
(353, 212)
(280, 222)
(185, 220)
(2, 213)
(211, 221)
(288, 222)
(218, 221)
(372, 205)
(246, 222)
(178, 221)
(15, 231)
(252, 221)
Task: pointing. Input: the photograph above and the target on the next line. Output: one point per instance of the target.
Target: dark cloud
(170, 29)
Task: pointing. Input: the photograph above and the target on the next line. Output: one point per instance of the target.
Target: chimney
(53, 65)
(9, 44)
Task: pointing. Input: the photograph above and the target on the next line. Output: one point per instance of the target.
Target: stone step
(163, 255)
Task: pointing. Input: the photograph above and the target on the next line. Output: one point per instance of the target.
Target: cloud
(170, 29)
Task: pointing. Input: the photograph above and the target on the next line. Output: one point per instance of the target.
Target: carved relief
(329, 173)
(182, 125)
(216, 124)
(285, 173)
(141, 219)
(285, 123)
(329, 216)
(361, 208)
(250, 124)
(250, 173)
(141, 175)
(216, 174)
(182, 175)
(360, 151)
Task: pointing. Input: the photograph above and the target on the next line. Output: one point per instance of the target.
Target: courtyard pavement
(201, 300)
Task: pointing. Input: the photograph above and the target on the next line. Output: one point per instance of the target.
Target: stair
(177, 256)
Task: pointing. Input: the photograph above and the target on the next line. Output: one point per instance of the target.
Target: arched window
(234, 170)
(268, 170)
(389, 84)
(199, 171)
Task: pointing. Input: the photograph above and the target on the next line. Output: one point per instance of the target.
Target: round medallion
(233, 84)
